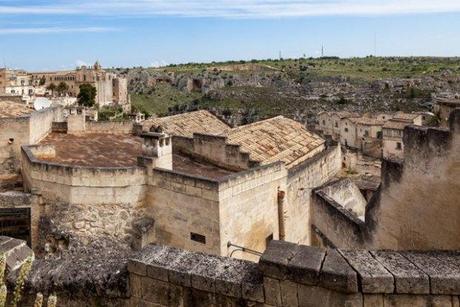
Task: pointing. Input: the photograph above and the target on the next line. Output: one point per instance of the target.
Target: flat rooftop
(9, 109)
(97, 150)
(106, 150)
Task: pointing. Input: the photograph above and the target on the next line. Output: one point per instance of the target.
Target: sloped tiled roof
(368, 121)
(396, 124)
(275, 139)
(10, 109)
(188, 123)
(409, 117)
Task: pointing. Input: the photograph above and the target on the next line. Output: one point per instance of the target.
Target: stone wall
(416, 206)
(109, 127)
(300, 182)
(87, 202)
(425, 193)
(181, 205)
(295, 275)
(13, 133)
(248, 209)
(216, 150)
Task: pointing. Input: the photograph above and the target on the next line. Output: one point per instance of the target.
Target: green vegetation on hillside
(162, 97)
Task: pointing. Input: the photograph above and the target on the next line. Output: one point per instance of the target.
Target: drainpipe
(281, 217)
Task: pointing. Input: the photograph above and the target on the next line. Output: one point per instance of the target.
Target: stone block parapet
(295, 275)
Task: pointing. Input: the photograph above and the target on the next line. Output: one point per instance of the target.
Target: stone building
(111, 88)
(410, 197)
(16, 83)
(393, 133)
(329, 123)
(444, 105)
(225, 193)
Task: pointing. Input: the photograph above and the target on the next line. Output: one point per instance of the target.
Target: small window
(324, 122)
(197, 238)
(398, 146)
(336, 124)
(268, 239)
(10, 141)
(346, 129)
(366, 133)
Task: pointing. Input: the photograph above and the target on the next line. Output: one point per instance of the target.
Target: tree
(52, 88)
(42, 81)
(62, 88)
(87, 95)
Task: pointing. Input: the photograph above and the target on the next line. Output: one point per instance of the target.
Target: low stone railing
(294, 275)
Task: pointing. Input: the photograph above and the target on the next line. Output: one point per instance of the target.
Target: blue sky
(60, 34)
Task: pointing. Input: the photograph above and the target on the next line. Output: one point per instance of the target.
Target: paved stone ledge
(294, 275)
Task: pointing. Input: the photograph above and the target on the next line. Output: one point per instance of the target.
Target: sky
(39, 35)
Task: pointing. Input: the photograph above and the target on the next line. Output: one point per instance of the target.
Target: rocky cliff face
(247, 92)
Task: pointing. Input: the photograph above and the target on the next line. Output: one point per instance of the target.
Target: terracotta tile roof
(396, 124)
(275, 139)
(188, 123)
(406, 116)
(10, 109)
(368, 121)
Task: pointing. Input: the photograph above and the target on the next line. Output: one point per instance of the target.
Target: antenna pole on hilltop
(322, 51)
(280, 55)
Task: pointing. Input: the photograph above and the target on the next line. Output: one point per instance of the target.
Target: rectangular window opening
(197, 238)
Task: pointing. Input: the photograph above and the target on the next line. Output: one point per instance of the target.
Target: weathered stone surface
(16, 252)
(404, 300)
(204, 274)
(442, 269)
(180, 269)
(374, 277)
(155, 291)
(159, 260)
(304, 267)
(373, 300)
(272, 291)
(289, 293)
(455, 301)
(274, 261)
(408, 278)
(337, 274)
(253, 284)
(202, 298)
(230, 277)
(135, 285)
(313, 296)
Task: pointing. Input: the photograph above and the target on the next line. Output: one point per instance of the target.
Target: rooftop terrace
(107, 150)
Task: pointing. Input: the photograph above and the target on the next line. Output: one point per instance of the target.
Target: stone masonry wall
(301, 180)
(248, 209)
(295, 275)
(216, 150)
(109, 127)
(181, 205)
(87, 202)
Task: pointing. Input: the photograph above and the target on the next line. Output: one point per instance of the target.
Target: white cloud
(46, 30)
(236, 8)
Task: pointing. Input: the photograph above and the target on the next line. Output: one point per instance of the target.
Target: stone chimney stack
(156, 151)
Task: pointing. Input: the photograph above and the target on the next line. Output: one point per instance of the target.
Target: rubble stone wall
(301, 180)
(86, 201)
(295, 275)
